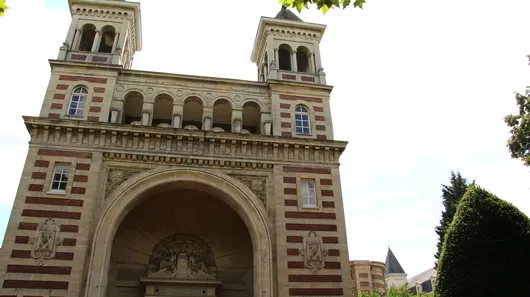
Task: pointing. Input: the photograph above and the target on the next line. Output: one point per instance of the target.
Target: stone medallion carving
(313, 252)
(209, 96)
(257, 184)
(46, 241)
(116, 177)
(237, 98)
(265, 101)
(182, 255)
(149, 90)
(179, 93)
(119, 88)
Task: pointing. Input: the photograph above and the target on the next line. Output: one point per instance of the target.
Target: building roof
(422, 277)
(286, 14)
(392, 264)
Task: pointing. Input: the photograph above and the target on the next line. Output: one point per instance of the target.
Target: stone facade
(368, 277)
(122, 161)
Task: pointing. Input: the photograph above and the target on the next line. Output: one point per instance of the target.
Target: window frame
(305, 193)
(304, 111)
(80, 95)
(318, 192)
(62, 166)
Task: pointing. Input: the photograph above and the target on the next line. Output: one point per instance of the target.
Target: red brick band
(96, 80)
(99, 90)
(318, 109)
(82, 166)
(363, 275)
(59, 96)
(59, 153)
(294, 239)
(34, 226)
(289, 180)
(316, 292)
(24, 254)
(37, 269)
(54, 201)
(326, 182)
(310, 215)
(42, 163)
(93, 119)
(290, 202)
(54, 116)
(285, 115)
(307, 170)
(289, 191)
(333, 252)
(285, 124)
(320, 118)
(78, 190)
(302, 98)
(61, 87)
(308, 78)
(51, 214)
(315, 278)
(34, 284)
(300, 265)
(56, 106)
(97, 99)
(287, 134)
(94, 109)
(81, 178)
(322, 137)
(289, 76)
(327, 239)
(310, 227)
(285, 106)
(35, 188)
(38, 175)
(328, 204)
(328, 193)
(320, 128)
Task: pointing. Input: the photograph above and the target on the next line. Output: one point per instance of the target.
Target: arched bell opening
(132, 109)
(192, 114)
(162, 111)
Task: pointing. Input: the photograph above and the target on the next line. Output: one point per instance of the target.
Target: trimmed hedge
(486, 251)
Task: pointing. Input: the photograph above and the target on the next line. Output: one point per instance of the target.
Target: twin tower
(156, 184)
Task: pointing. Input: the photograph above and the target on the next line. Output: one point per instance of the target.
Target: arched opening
(251, 118)
(182, 231)
(284, 55)
(192, 114)
(141, 212)
(163, 111)
(222, 116)
(108, 33)
(303, 123)
(302, 59)
(87, 37)
(132, 109)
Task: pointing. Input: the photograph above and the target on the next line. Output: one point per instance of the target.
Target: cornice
(170, 143)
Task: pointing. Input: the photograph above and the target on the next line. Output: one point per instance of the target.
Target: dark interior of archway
(167, 212)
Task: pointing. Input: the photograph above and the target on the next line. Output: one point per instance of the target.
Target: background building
(368, 276)
(140, 183)
(396, 276)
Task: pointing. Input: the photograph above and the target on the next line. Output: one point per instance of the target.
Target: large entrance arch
(131, 193)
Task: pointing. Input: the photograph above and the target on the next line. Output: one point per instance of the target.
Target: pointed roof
(392, 264)
(286, 14)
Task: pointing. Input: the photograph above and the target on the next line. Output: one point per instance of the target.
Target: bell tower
(286, 48)
(103, 31)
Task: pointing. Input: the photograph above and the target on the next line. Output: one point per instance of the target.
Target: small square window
(60, 178)
(309, 196)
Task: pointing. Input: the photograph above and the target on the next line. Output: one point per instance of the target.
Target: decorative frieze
(177, 144)
(46, 241)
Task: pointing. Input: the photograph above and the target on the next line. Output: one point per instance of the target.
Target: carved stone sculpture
(313, 253)
(46, 241)
(116, 176)
(182, 256)
(257, 184)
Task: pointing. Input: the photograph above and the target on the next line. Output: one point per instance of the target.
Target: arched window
(107, 39)
(251, 117)
(132, 110)
(284, 55)
(87, 37)
(222, 115)
(163, 110)
(302, 59)
(77, 102)
(192, 113)
(303, 124)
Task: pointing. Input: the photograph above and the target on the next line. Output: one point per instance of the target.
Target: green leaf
(3, 7)
(359, 3)
(324, 8)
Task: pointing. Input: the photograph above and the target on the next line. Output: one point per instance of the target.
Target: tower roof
(286, 14)
(392, 264)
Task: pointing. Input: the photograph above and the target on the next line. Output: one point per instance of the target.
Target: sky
(421, 88)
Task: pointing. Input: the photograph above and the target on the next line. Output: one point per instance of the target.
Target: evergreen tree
(485, 252)
(451, 195)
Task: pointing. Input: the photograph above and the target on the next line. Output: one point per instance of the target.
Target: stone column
(147, 111)
(207, 118)
(311, 63)
(115, 43)
(75, 41)
(178, 110)
(294, 64)
(97, 38)
(276, 58)
(237, 124)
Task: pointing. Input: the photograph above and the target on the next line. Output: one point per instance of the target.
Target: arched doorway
(134, 224)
